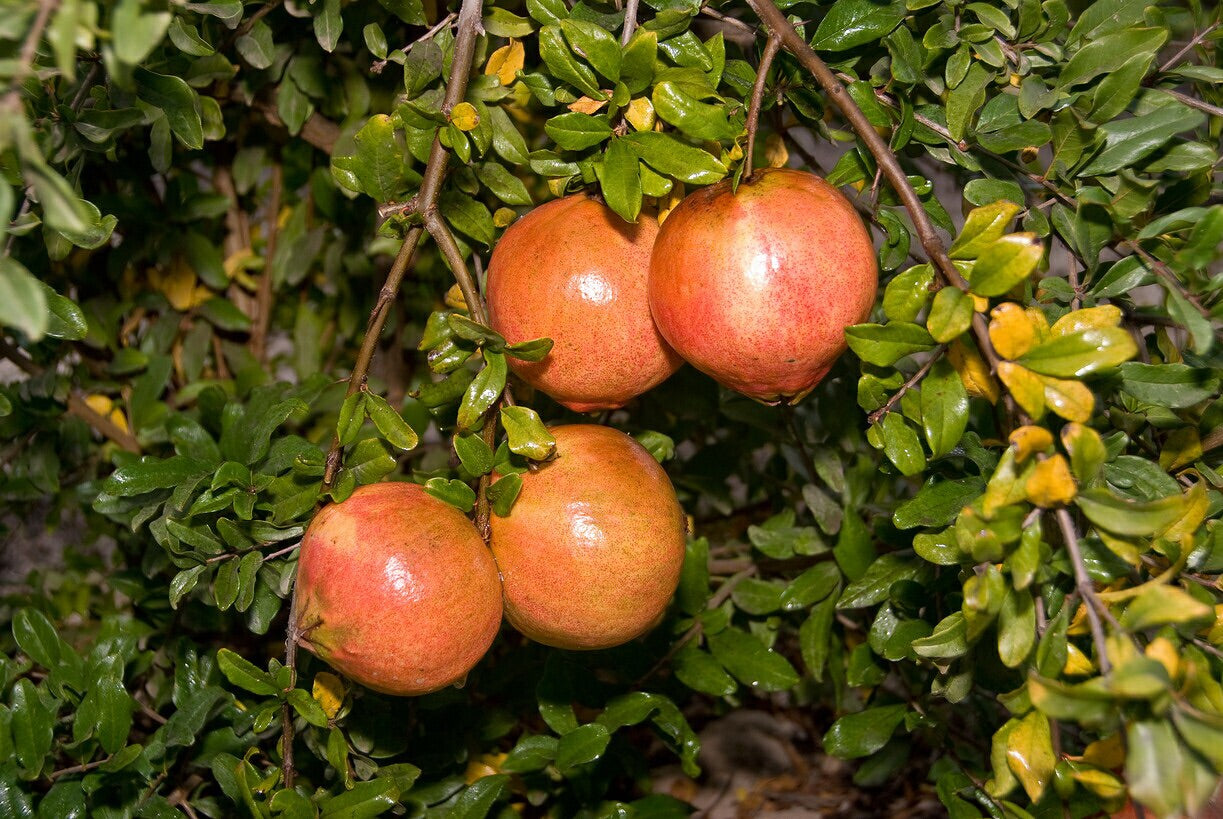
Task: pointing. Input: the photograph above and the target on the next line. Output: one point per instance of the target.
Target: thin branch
(908, 385)
(771, 46)
(292, 635)
(630, 21)
(263, 298)
(1083, 584)
(76, 404)
(249, 23)
(377, 66)
(733, 22)
(1194, 102)
(76, 769)
(1189, 46)
(29, 50)
(1167, 275)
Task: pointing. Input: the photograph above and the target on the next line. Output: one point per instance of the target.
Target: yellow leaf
(665, 206)
(1010, 330)
(504, 217)
(1078, 623)
(1106, 316)
(1196, 506)
(1070, 399)
(979, 303)
(732, 154)
(1025, 387)
(973, 371)
(1029, 754)
(482, 766)
(775, 153)
(1122, 548)
(640, 114)
(585, 105)
(1029, 440)
(100, 404)
(1105, 753)
(237, 261)
(1051, 483)
(119, 419)
(328, 692)
(505, 61)
(1101, 783)
(1077, 664)
(454, 298)
(464, 116)
(177, 285)
(1164, 652)
(556, 186)
(1181, 447)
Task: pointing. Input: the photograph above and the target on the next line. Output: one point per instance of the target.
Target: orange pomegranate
(756, 286)
(397, 590)
(591, 552)
(573, 271)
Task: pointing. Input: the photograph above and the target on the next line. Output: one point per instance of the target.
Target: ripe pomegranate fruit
(755, 287)
(397, 590)
(573, 271)
(591, 552)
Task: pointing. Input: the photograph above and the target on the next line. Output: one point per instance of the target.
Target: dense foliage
(1001, 575)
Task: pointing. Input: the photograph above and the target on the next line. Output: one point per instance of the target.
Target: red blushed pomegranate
(573, 271)
(755, 287)
(590, 554)
(397, 590)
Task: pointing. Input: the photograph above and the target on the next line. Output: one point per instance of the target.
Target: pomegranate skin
(591, 553)
(573, 271)
(756, 287)
(397, 590)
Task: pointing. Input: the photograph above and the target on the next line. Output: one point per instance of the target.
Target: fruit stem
(771, 46)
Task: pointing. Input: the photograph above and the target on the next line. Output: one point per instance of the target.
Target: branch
(76, 769)
(1194, 102)
(908, 385)
(292, 635)
(1082, 583)
(263, 298)
(753, 111)
(76, 404)
(1197, 40)
(377, 66)
(630, 21)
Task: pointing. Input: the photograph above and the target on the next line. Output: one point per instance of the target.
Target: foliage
(1006, 575)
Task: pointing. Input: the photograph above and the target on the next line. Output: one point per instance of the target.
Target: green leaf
(351, 418)
(153, 474)
(503, 493)
(576, 131)
(757, 596)
(245, 674)
(328, 25)
(901, 445)
(857, 735)
(699, 671)
(531, 753)
(1005, 263)
(966, 99)
(1016, 628)
(1126, 141)
(810, 587)
(937, 503)
(454, 492)
(581, 745)
(885, 344)
(256, 46)
(65, 319)
(503, 184)
(23, 300)
(390, 423)
(696, 119)
(562, 64)
(475, 455)
(479, 797)
(1029, 754)
(174, 97)
(595, 45)
(908, 293)
(1176, 386)
(620, 180)
(1082, 353)
(484, 390)
(948, 641)
(1109, 53)
(374, 797)
(411, 12)
(851, 23)
(667, 155)
(32, 726)
(527, 434)
(950, 314)
(137, 29)
(468, 216)
(307, 707)
(1128, 517)
(944, 407)
(378, 162)
(873, 587)
(751, 662)
(501, 23)
(1164, 606)
(1153, 766)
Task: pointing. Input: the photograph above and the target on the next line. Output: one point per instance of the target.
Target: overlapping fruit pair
(754, 285)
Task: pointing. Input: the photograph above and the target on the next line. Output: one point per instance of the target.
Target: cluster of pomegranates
(752, 285)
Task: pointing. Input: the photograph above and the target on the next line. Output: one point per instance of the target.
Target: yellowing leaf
(1071, 400)
(586, 105)
(1051, 483)
(1195, 507)
(1181, 447)
(505, 61)
(238, 261)
(1029, 754)
(640, 114)
(1024, 386)
(178, 285)
(979, 303)
(1086, 449)
(1101, 783)
(454, 298)
(1164, 652)
(328, 692)
(1005, 263)
(1029, 440)
(674, 198)
(1077, 664)
(1010, 330)
(775, 153)
(100, 404)
(504, 217)
(482, 766)
(973, 370)
(1106, 753)
(464, 116)
(1106, 316)
(556, 186)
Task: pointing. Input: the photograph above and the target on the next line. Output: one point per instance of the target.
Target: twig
(1082, 583)
(771, 47)
(29, 50)
(733, 22)
(908, 385)
(377, 66)
(76, 769)
(1194, 102)
(272, 556)
(286, 711)
(76, 404)
(630, 21)
(250, 22)
(1167, 275)
(1189, 46)
(263, 298)
(78, 99)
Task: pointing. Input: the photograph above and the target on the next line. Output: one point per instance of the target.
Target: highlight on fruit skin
(756, 286)
(590, 554)
(573, 271)
(397, 590)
